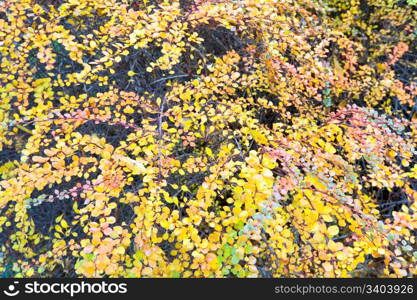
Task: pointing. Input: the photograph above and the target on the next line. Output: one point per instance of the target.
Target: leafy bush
(208, 138)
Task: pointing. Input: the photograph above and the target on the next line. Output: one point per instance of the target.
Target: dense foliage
(208, 138)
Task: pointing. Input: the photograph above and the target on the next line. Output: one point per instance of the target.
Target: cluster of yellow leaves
(264, 156)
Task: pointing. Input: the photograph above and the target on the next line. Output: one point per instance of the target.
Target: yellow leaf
(64, 224)
(392, 153)
(209, 152)
(120, 250)
(128, 110)
(40, 159)
(327, 267)
(327, 218)
(186, 96)
(329, 148)
(333, 246)
(89, 267)
(58, 228)
(333, 230)
(259, 137)
(314, 180)
(135, 166)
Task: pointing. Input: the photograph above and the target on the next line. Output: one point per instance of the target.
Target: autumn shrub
(208, 138)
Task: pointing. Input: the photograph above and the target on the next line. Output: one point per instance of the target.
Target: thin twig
(169, 77)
